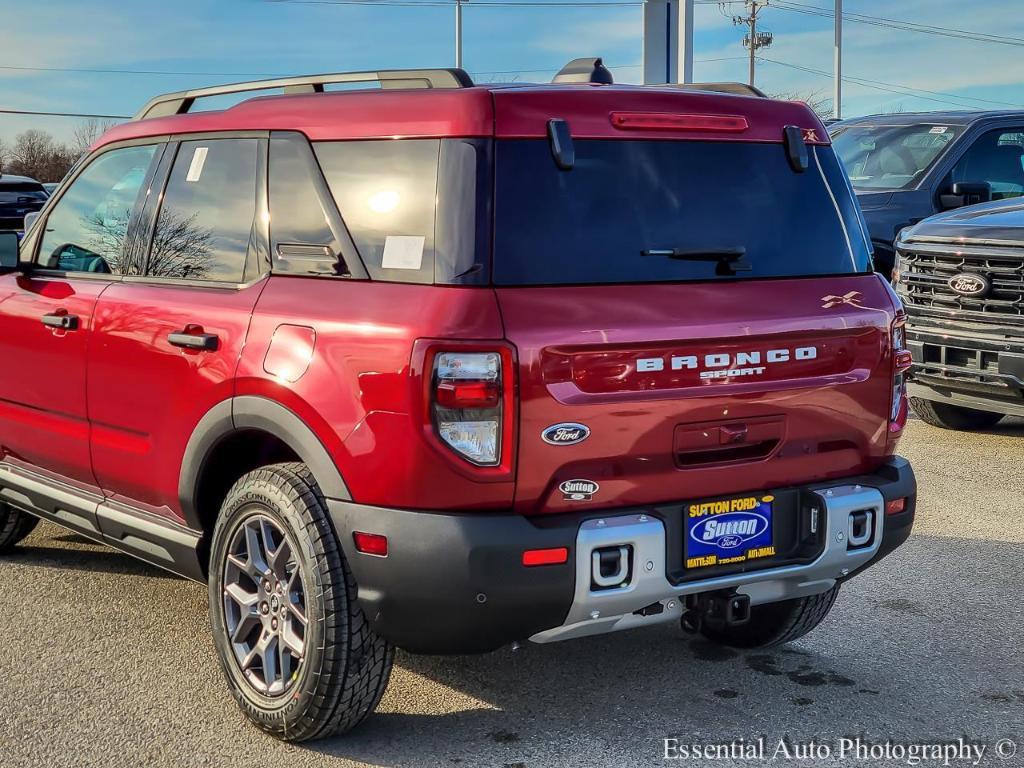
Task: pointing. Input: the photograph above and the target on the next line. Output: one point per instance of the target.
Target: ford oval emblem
(967, 284)
(730, 530)
(566, 433)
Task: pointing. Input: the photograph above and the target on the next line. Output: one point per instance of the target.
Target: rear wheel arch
(237, 436)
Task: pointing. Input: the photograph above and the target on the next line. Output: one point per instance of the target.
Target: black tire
(342, 672)
(776, 623)
(14, 526)
(953, 416)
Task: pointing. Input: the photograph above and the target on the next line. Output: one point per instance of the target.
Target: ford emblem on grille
(971, 285)
(565, 434)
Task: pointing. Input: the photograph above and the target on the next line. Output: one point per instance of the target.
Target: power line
(481, 4)
(90, 70)
(898, 89)
(906, 26)
(62, 114)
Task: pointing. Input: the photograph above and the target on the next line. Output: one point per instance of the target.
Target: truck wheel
(776, 623)
(298, 653)
(14, 526)
(953, 416)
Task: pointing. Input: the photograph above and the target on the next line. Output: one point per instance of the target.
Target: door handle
(188, 340)
(61, 321)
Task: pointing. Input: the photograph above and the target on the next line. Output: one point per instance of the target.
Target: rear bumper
(455, 583)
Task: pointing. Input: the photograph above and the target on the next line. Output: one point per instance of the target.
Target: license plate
(728, 531)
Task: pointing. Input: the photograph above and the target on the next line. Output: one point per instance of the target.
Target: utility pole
(458, 34)
(753, 41)
(837, 88)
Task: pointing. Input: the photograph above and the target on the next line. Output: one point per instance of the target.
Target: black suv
(19, 196)
(961, 277)
(907, 167)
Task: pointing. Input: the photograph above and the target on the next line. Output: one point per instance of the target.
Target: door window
(86, 230)
(206, 226)
(998, 158)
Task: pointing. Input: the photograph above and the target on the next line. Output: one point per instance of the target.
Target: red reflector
(554, 556)
(371, 543)
(903, 361)
(468, 394)
(666, 121)
(895, 506)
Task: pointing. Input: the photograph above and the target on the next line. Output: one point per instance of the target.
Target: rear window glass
(594, 223)
(22, 192)
(417, 209)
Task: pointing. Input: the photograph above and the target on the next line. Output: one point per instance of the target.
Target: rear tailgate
(692, 291)
(804, 396)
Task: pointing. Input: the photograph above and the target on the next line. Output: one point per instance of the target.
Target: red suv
(442, 367)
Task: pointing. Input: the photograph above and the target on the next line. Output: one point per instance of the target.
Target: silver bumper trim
(599, 611)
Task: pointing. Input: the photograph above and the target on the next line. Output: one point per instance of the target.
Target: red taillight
(895, 506)
(468, 402)
(468, 394)
(901, 363)
(371, 543)
(667, 121)
(555, 556)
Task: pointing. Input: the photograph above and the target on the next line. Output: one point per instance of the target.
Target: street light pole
(458, 34)
(837, 86)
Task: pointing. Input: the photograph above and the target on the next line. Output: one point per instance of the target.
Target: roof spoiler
(586, 70)
(181, 102)
(738, 89)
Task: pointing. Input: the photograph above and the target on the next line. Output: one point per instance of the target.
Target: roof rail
(739, 89)
(181, 102)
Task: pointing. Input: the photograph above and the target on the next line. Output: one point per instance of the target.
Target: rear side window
(417, 209)
(625, 204)
(205, 228)
(297, 216)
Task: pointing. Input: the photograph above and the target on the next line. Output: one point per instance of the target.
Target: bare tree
(86, 133)
(37, 155)
(4, 155)
(817, 101)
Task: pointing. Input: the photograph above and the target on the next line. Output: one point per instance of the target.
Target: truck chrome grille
(926, 269)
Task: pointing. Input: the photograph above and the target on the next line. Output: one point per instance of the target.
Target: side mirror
(30, 219)
(966, 193)
(8, 252)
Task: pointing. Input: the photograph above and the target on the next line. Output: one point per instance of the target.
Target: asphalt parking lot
(109, 662)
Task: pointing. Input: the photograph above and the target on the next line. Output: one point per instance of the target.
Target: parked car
(961, 277)
(19, 196)
(907, 167)
(508, 377)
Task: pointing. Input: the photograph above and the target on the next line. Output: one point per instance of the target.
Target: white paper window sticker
(938, 129)
(403, 252)
(195, 170)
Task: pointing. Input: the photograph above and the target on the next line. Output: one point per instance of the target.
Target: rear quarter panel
(357, 393)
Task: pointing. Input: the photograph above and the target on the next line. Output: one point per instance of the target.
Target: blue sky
(228, 40)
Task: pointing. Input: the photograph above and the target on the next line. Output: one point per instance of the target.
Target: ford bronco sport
(443, 367)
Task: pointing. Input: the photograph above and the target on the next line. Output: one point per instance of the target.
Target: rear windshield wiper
(729, 261)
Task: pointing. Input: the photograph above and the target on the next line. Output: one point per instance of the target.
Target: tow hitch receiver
(725, 608)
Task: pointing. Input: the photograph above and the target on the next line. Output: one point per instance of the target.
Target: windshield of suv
(887, 157)
(666, 211)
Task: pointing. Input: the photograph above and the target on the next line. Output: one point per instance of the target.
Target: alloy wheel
(265, 605)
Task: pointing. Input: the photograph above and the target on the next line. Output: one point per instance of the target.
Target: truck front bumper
(456, 583)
